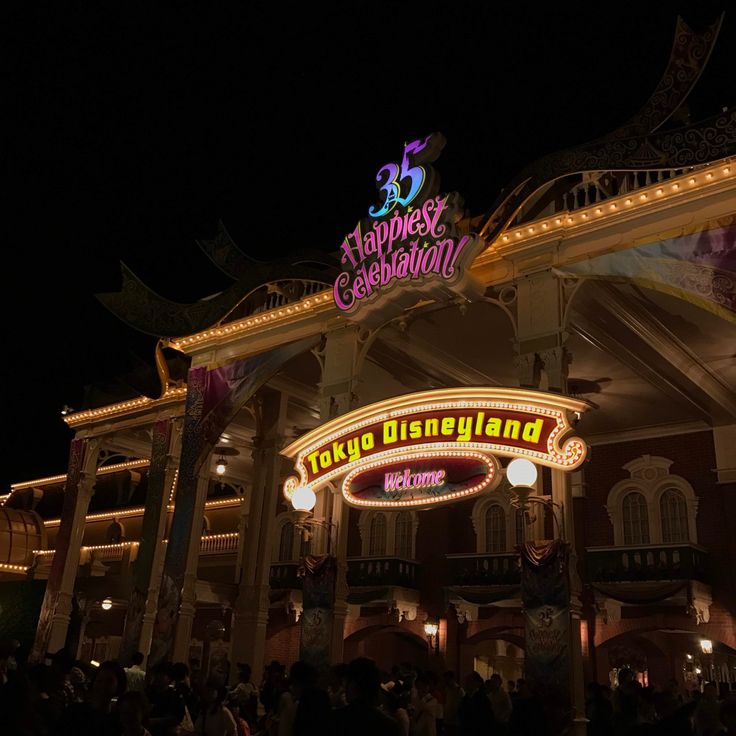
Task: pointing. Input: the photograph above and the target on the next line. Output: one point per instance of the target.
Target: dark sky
(134, 130)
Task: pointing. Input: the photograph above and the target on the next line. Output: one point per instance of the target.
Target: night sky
(134, 131)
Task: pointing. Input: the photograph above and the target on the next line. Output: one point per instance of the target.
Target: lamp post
(303, 501)
(432, 630)
(706, 646)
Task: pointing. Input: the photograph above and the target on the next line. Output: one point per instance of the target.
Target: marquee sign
(432, 447)
(408, 246)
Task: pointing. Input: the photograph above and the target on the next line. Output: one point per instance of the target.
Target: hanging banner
(545, 597)
(433, 447)
(318, 596)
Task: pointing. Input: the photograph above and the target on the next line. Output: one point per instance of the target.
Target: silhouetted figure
(475, 714)
(361, 716)
(312, 703)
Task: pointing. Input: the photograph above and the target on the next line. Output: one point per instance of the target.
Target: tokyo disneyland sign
(408, 247)
(424, 449)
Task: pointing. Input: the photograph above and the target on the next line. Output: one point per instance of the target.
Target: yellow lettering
(448, 425)
(465, 428)
(493, 427)
(390, 431)
(512, 429)
(415, 430)
(312, 459)
(431, 427)
(533, 430)
(325, 459)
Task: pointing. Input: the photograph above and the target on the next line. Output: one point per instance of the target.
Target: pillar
(543, 361)
(57, 602)
(141, 612)
(188, 606)
(250, 615)
(338, 395)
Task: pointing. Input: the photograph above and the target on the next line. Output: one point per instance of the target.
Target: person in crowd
(707, 712)
(728, 717)
(242, 727)
(424, 709)
(246, 692)
(361, 716)
(453, 697)
(131, 710)
(135, 674)
(96, 715)
(167, 707)
(475, 714)
(336, 685)
(183, 686)
(214, 718)
(397, 706)
(511, 690)
(500, 702)
(527, 716)
(313, 705)
(272, 689)
(598, 710)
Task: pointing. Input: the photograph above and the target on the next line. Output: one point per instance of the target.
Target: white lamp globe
(106, 604)
(521, 472)
(303, 499)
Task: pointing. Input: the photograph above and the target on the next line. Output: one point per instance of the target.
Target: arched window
(286, 544)
(673, 511)
(495, 529)
(377, 536)
(635, 518)
(403, 535)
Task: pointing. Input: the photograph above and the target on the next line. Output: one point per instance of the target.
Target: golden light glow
(562, 451)
(705, 177)
(138, 511)
(125, 407)
(5, 567)
(104, 470)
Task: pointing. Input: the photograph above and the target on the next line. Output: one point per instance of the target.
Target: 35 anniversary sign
(436, 446)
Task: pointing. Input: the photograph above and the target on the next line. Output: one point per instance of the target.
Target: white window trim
(364, 527)
(650, 476)
(281, 521)
(496, 498)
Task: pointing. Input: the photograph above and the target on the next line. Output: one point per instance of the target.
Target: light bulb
(303, 499)
(221, 466)
(106, 604)
(521, 472)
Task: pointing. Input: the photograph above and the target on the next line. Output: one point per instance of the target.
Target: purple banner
(697, 265)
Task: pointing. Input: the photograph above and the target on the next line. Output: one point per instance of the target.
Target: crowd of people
(68, 697)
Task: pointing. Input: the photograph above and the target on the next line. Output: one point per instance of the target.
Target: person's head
(494, 684)
(511, 686)
(625, 676)
(213, 693)
(109, 681)
(180, 672)
(244, 672)
(422, 684)
(137, 658)
(131, 711)
(233, 705)
(473, 682)
(302, 676)
(162, 676)
(363, 681)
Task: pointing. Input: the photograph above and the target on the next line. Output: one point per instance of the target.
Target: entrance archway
(388, 646)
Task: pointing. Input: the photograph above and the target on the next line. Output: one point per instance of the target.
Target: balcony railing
(367, 571)
(283, 576)
(647, 562)
(484, 569)
(217, 544)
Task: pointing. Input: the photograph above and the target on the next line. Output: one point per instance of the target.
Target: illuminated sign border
(564, 451)
(393, 457)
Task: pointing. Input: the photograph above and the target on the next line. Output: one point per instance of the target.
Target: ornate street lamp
(432, 631)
